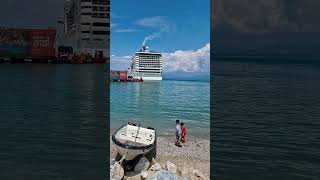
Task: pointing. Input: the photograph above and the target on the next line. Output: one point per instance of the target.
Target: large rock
(155, 167)
(131, 173)
(163, 175)
(143, 164)
(116, 170)
(136, 177)
(191, 174)
(153, 161)
(171, 167)
(144, 174)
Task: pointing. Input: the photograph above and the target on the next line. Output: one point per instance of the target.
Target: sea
(265, 118)
(159, 104)
(53, 121)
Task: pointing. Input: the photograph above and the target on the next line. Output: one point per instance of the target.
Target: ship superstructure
(87, 26)
(146, 65)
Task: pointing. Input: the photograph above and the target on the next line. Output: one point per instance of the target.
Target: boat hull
(132, 153)
(149, 78)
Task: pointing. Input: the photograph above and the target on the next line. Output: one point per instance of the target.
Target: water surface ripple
(52, 121)
(265, 120)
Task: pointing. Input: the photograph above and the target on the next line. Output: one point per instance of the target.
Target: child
(184, 133)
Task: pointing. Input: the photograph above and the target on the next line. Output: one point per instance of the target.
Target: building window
(101, 15)
(101, 2)
(97, 39)
(101, 32)
(86, 14)
(101, 24)
(85, 7)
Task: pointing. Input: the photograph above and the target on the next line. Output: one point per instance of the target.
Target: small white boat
(132, 140)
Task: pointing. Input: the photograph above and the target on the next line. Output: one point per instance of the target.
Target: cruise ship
(87, 26)
(146, 65)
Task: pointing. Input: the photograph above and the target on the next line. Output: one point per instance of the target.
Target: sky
(260, 27)
(31, 13)
(179, 29)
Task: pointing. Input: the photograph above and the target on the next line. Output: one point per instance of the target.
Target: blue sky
(181, 29)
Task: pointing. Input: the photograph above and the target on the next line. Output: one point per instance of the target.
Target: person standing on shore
(178, 133)
(184, 133)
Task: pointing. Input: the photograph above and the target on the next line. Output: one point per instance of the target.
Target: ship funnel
(144, 48)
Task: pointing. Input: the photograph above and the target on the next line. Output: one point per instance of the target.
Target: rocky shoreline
(192, 161)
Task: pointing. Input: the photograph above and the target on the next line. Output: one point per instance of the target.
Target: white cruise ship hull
(147, 65)
(152, 78)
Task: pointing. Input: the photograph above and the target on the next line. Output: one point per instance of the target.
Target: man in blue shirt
(178, 133)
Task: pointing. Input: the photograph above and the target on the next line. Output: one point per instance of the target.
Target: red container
(123, 75)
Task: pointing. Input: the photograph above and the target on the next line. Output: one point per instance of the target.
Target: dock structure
(122, 76)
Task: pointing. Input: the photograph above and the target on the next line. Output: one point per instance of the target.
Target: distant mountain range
(195, 76)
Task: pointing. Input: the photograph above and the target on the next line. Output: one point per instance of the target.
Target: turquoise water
(159, 104)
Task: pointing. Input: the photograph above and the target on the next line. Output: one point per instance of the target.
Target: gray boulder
(155, 167)
(116, 170)
(163, 175)
(143, 164)
(171, 167)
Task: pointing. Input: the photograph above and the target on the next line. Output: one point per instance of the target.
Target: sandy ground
(196, 153)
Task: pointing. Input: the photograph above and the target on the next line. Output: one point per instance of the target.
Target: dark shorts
(178, 137)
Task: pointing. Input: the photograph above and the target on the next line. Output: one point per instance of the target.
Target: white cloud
(125, 30)
(159, 22)
(119, 62)
(155, 21)
(113, 25)
(178, 61)
(187, 61)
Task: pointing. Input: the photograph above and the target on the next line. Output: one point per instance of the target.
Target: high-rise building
(87, 26)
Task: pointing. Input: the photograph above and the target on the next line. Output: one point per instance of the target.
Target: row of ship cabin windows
(149, 73)
(149, 60)
(142, 63)
(148, 57)
(149, 66)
